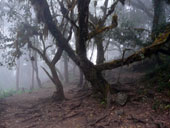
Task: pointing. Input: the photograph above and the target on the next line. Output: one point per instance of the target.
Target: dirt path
(82, 110)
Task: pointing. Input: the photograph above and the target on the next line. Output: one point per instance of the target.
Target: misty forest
(84, 64)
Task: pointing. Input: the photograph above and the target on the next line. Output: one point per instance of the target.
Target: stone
(121, 98)
(119, 112)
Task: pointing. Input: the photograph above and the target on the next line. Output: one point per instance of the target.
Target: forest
(84, 64)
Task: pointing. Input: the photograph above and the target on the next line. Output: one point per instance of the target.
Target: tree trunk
(81, 79)
(158, 20)
(100, 49)
(66, 73)
(99, 84)
(91, 73)
(159, 16)
(59, 94)
(36, 72)
(18, 74)
(32, 75)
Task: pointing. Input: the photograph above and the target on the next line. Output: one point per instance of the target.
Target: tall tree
(91, 72)
(66, 73)
(18, 74)
(159, 15)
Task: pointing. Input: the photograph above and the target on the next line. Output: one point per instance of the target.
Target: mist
(84, 63)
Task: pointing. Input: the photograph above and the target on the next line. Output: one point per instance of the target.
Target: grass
(11, 92)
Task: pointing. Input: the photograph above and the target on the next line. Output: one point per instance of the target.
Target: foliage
(159, 76)
(160, 105)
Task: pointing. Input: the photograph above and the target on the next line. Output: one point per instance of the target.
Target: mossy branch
(100, 30)
(143, 53)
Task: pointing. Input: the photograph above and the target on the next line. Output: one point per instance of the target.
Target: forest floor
(83, 110)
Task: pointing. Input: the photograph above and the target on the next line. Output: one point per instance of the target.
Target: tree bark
(59, 94)
(139, 55)
(100, 50)
(159, 16)
(18, 74)
(81, 78)
(37, 72)
(91, 72)
(32, 75)
(66, 73)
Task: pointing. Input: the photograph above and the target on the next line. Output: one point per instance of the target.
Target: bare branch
(34, 48)
(113, 6)
(39, 52)
(65, 13)
(48, 47)
(48, 74)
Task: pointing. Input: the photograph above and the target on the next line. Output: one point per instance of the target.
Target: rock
(119, 112)
(121, 98)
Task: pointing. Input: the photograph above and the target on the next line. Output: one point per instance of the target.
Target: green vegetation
(11, 92)
(161, 105)
(159, 77)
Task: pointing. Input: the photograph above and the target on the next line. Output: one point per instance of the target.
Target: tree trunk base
(57, 96)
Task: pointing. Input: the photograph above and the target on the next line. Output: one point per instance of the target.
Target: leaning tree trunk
(59, 94)
(91, 73)
(66, 73)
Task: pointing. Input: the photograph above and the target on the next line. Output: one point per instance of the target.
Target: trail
(81, 110)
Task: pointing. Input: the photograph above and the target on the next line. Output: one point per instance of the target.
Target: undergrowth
(159, 77)
(11, 92)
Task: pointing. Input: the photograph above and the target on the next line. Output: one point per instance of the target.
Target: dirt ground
(81, 110)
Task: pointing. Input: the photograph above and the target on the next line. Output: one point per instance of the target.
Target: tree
(159, 16)
(66, 73)
(93, 74)
(18, 74)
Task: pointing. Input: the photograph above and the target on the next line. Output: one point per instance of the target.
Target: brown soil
(81, 110)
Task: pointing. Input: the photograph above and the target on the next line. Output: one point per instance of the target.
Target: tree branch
(39, 52)
(139, 55)
(100, 30)
(43, 14)
(112, 8)
(48, 74)
(65, 13)
(57, 56)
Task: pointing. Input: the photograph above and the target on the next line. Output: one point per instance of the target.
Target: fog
(14, 14)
